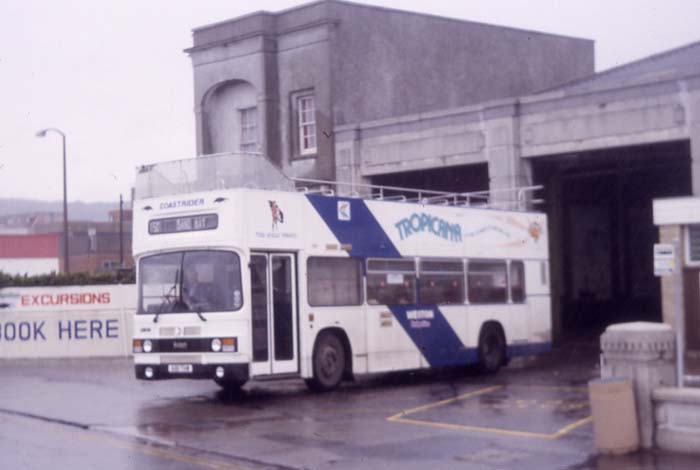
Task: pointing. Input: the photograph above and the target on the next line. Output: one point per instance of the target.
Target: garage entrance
(599, 205)
(455, 179)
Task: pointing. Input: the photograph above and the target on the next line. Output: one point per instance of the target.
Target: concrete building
(603, 147)
(280, 83)
(413, 100)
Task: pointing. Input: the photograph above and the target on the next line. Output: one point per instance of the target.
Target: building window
(249, 130)
(306, 121)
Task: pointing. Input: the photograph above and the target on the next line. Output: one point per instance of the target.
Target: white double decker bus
(243, 274)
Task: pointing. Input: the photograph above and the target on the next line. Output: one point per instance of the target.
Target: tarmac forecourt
(530, 411)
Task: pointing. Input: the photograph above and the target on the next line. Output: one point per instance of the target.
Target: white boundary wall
(29, 266)
(66, 321)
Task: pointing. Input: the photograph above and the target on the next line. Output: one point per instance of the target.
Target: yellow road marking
(402, 417)
(398, 416)
(462, 427)
(572, 426)
(571, 388)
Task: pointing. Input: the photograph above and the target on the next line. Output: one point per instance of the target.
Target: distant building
(93, 246)
(24, 223)
(29, 254)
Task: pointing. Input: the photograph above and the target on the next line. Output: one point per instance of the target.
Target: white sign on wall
(664, 259)
(71, 321)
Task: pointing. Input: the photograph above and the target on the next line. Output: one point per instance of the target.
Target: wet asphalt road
(85, 414)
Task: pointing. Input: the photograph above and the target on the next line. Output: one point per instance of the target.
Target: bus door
(274, 313)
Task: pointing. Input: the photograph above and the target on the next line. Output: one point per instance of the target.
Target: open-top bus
(244, 274)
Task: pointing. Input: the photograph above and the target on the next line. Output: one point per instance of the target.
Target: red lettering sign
(87, 298)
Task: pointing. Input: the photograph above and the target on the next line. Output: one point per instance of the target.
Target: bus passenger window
(334, 281)
(487, 282)
(517, 281)
(441, 282)
(391, 282)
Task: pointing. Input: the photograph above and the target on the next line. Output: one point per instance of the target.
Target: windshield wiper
(199, 314)
(167, 298)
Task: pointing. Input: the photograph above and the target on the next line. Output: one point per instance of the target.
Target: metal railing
(518, 198)
(255, 171)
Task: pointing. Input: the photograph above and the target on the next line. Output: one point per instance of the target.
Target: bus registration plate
(180, 368)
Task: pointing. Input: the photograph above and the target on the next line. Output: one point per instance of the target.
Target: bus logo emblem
(344, 210)
(535, 230)
(277, 215)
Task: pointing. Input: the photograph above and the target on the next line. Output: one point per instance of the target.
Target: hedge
(125, 276)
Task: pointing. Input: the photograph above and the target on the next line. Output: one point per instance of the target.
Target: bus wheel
(492, 349)
(328, 363)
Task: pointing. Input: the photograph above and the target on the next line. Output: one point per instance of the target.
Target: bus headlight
(147, 346)
(138, 346)
(216, 345)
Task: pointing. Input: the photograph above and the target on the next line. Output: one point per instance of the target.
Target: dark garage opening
(599, 205)
(455, 179)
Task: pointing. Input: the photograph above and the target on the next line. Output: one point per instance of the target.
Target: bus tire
(328, 363)
(492, 348)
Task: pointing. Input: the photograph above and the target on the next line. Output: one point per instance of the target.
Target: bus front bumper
(223, 372)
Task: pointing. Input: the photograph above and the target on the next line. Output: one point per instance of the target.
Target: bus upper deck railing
(254, 170)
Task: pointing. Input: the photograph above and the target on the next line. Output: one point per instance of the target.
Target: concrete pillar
(507, 170)
(691, 106)
(645, 353)
(325, 159)
(669, 234)
(268, 121)
(201, 130)
(348, 161)
(268, 104)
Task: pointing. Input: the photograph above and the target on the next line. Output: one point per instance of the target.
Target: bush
(124, 276)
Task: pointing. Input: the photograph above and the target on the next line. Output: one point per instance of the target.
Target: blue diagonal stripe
(434, 337)
(362, 232)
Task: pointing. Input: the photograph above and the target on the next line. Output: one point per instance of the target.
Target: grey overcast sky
(112, 75)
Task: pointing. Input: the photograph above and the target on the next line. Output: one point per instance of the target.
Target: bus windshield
(190, 281)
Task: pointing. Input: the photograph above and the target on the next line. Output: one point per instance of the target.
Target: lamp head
(41, 133)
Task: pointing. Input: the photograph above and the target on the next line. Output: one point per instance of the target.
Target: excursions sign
(66, 321)
(86, 298)
(50, 298)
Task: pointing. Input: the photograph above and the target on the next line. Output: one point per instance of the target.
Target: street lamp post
(66, 257)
